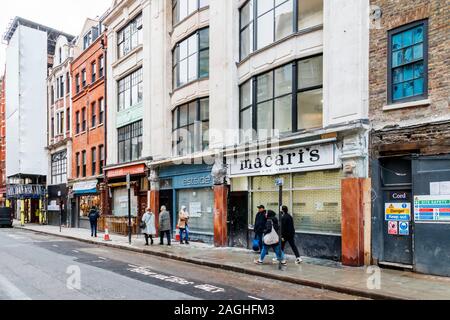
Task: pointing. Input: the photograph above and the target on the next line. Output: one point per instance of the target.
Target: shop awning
(85, 187)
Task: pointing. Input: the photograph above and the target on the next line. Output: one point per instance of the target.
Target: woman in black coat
(272, 223)
(288, 233)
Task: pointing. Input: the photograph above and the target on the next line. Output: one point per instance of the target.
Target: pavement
(371, 282)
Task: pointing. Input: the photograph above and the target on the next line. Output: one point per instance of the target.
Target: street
(40, 267)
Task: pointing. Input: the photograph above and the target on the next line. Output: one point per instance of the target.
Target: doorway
(238, 220)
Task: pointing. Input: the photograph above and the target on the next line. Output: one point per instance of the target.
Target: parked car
(6, 217)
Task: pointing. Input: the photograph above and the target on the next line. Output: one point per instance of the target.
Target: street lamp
(60, 211)
(280, 182)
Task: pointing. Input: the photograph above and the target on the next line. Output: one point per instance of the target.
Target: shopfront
(86, 196)
(57, 206)
(312, 190)
(192, 187)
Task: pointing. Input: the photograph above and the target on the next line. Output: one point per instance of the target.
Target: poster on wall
(431, 208)
(403, 229)
(398, 211)
(393, 228)
(195, 209)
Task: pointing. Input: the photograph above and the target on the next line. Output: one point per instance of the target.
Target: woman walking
(271, 239)
(148, 224)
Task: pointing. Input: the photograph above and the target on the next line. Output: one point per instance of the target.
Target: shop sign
(303, 159)
(53, 206)
(398, 211)
(393, 228)
(85, 187)
(201, 180)
(432, 208)
(403, 229)
(122, 172)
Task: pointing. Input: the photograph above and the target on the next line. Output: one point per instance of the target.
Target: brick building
(88, 120)
(410, 138)
(2, 141)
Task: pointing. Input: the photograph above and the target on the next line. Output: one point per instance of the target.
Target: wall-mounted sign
(400, 196)
(440, 188)
(432, 208)
(403, 228)
(123, 172)
(301, 159)
(86, 187)
(397, 211)
(195, 209)
(192, 181)
(393, 228)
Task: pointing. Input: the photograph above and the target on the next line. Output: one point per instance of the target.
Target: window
(60, 55)
(87, 40)
(94, 161)
(77, 83)
(68, 119)
(130, 142)
(101, 67)
(263, 22)
(52, 95)
(52, 128)
(78, 164)
(61, 87)
(191, 127)
(78, 121)
(94, 71)
(60, 123)
(191, 58)
(287, 99)
(408, 63)
(101, 151)
(83, 120)
(130, 37)
(184, 8)
(131, 90)
(59, 168)
(84, 163)
(83, 78)
(94, 115)
(67, 82)
(101, 112)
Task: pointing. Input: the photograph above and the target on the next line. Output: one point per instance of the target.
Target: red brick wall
(395, 14)
(93, 92)
(2, 133)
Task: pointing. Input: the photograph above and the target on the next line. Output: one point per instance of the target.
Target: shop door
(398, 226)
(431, 185)
(238, 220)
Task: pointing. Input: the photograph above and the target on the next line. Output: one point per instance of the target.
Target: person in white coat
(150, 227)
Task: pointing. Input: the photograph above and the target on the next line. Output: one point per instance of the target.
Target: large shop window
(408, 63)
(263, 22)
(199, 203)
(314, 199)
(131, 90)
(130, 37)
(191, 127)
(191, 58)
(130, 142)
(120, 202)
(59, 168)
(184, 8)
(287, 99)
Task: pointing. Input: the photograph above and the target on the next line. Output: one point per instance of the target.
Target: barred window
(130, 142)
(59, 168)
(131, 90)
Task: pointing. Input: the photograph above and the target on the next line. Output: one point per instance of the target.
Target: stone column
(219, 173)
(154, 195)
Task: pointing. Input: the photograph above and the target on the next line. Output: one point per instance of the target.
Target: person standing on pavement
(93, 216)
(288, 233)
(183, 224)
(148, 221)
(164, 226)
(272, 228)
(260, 225)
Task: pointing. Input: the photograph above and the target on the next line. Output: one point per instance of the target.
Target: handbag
(256, 245)
(143, 225)
(271, 238)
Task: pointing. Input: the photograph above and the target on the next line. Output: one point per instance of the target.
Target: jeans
(259, 237)
(291, 242)
(94, 229)
(186, 233)
(276, 248)
(167, 234)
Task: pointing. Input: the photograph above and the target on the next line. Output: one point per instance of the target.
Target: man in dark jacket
(93, 219)
(271, 224)
(260, 225)
(288, 233)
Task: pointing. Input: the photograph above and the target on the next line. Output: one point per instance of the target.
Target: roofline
(17, 21)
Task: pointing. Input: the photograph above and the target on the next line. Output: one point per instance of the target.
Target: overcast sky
(64, 15)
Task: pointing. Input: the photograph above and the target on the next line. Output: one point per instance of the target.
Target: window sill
(189, 84)
(410, 104)
(129, 54)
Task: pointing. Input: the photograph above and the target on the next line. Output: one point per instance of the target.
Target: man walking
(164, 225)
(260, 225)
(93, 219)
(288, 233)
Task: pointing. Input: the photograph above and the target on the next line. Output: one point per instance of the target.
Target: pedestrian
(271, 239)
(288, 233)
(93, 216)
(260, 225)
(164, 226)
(183, 224)
(148, 224)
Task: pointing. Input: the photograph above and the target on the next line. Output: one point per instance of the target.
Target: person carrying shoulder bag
(271, 239)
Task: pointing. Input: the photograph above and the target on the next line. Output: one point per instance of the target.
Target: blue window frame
(408, 63)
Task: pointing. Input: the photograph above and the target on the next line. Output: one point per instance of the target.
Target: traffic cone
(106, 236)
(177, 235)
